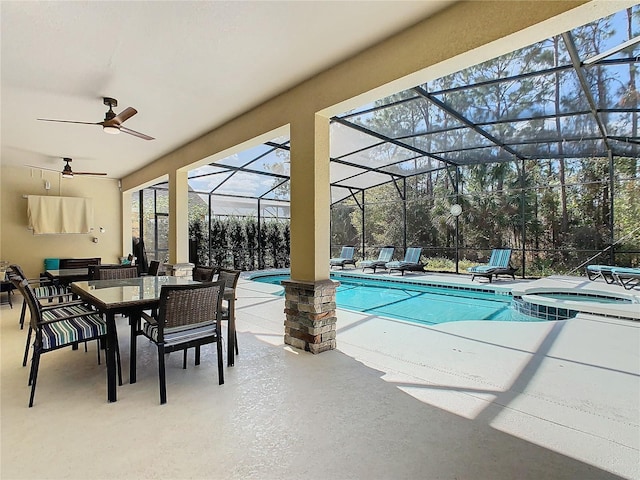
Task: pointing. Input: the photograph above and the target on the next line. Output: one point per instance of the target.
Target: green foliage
(198, 241)
(440, 264)
(559, 211)
(234, 243)
(237, 243)
(218, 237)
(251, 233)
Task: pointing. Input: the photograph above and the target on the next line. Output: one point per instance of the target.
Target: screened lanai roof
(570, 96)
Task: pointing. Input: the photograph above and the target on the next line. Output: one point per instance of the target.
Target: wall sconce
(102, 230)
(95, 239)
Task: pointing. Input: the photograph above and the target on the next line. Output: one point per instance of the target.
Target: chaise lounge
(499, 264)
(626, 277)
(600, 271)
(384, 257)
(410, 263)
(345, 258)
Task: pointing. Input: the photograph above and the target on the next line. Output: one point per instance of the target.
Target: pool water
(422, 304)
(583, 298)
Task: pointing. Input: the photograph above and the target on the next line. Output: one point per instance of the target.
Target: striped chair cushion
(482, 269)
(600, 268)
(625, 271)
(179, 334)
(413, 255)
(64, 332)
(50, 290)
(401, 264)
(500, 257)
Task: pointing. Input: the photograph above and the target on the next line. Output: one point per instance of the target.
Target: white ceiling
(186, 66)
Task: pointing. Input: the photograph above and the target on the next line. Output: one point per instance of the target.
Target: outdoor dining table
(67, 275)
(130, 297)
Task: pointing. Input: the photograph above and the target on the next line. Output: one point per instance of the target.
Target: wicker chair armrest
(53, 306)
(148, 318)
(34, 282)
(57, 295)
(67, 317)
(40, 281)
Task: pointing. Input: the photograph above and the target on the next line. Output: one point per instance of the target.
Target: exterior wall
(19, 245)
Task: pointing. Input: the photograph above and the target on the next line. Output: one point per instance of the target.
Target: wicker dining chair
(112, 272)
(188, 316)
(154, 268)
(43, 290)
(230, 279)
(57, 326)
(203, 273)
(59, 307)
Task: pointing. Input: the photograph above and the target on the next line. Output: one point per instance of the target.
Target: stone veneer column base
(311, 315)
(184, 270)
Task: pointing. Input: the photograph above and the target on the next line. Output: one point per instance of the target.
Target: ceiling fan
(66, 171)
(112, 123)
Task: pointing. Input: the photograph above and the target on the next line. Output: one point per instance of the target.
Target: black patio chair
(230, 279)
(57, 327)
(203, 273)
(188, 316)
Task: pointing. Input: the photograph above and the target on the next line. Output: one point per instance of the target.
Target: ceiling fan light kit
(110, 129)
(66, 171)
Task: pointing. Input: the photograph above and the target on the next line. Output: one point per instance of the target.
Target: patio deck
(466, 400)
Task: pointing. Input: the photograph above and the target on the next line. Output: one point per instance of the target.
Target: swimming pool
(413, 302)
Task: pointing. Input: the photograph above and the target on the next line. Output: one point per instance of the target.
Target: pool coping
(579, 285)
(525, 290)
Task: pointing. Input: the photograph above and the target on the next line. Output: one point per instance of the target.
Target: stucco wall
(19, 245)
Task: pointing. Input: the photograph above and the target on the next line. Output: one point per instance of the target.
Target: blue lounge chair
(383, 258)
(499, 264)
(345, 258)
(410, 263)
(626, 277)
(600, 271)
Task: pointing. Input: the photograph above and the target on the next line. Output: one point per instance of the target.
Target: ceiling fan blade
(88, 173)
(44, 168)
(69, 121)
(136, 134)
(126, 114)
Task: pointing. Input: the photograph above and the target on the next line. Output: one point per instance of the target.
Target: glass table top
(127, 291)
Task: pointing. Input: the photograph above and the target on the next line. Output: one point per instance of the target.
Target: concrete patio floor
(463, 400)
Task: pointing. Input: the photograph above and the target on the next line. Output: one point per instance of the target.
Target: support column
(310, 322)
(182, 270)
(127, 224)
(311, 315)
(178, 217)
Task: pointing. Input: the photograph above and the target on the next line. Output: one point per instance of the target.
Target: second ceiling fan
(68, 173)
(112, 123)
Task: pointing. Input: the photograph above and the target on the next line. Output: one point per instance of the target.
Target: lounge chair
(600, 271)
(345, 258)
(499, 264)
(410, 263)
(383, 258)
(627, 277)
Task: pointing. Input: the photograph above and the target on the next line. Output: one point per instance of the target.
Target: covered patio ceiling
(569, 97)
